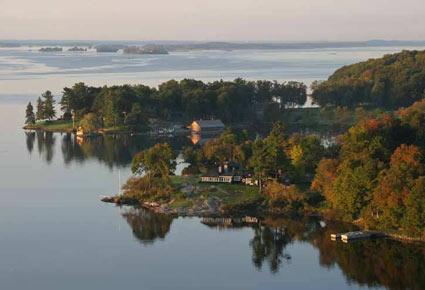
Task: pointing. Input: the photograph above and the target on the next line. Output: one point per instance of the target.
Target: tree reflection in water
(45, 144)
(30, 138)
(371, 263)
(147, 227)
(112, 150)
(268, 245)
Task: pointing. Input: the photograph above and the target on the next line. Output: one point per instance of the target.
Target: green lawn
(52, 126)
(232, 194)
(229, 194)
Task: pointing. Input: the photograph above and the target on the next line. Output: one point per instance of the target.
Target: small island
(104, 48)
(146, 49)
(77, 49)
(50, 49)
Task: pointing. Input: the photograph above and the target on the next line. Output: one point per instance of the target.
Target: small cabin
(228, 172)
(217, 178)
(206, 126)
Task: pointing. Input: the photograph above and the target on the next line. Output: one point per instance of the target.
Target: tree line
(132, 105)
(45, 109)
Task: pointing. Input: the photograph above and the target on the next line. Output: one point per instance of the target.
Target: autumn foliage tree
(395, 185)
(323, 180)
(379, 173)
(155, 165)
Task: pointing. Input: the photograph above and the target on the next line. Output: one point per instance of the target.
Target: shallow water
(56, 234)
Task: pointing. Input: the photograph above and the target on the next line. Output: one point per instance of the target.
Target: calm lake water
(56, 234)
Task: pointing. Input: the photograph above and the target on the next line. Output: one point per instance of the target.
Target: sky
(210, 20)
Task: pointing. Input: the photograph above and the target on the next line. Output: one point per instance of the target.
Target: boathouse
(199, 126)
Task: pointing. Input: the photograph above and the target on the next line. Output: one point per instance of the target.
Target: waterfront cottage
(206, 126)
(215, 178)
(228, 172)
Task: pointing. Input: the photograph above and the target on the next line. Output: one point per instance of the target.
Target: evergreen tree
(40, 109)
(29, 115)
(49, 105)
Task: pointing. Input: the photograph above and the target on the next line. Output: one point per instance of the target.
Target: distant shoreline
(216, 45)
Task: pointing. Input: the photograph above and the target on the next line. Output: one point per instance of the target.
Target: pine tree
(29, 115)
(49, 105)
(40, 109)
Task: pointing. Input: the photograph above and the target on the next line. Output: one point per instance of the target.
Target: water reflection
(30, 138)
(45, 144)
(147, 227)
(372, 263)
(112, 150)
(268, 245)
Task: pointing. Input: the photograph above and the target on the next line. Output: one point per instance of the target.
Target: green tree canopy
(393, 81)
(49, 105)
(29, 114)
(157, 161)
(40, 110)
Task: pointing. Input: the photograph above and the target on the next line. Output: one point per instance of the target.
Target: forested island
(51, 49)
(133, 108)
(77, 49)
(146, 49)
(373, 176)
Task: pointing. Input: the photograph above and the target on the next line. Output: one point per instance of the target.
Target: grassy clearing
(180, 180)
(232, 194)
(52, 126)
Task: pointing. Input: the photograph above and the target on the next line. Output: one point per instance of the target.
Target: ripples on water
(27, 71)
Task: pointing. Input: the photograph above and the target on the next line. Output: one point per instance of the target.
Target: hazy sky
(278, 20)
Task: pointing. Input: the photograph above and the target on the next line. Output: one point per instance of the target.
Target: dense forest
(391, 82)
(378, 176)
(232, 101)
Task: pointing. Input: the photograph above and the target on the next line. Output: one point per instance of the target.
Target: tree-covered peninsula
(391, 82)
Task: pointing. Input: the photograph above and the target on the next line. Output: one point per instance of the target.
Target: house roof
(210, 123)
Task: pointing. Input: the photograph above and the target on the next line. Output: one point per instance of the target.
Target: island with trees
(77, 49)
(146, 49)
(51, 49)
(373, 176)
(136, 108)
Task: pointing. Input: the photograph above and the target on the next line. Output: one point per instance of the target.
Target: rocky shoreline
(200, 208)
(212, 207)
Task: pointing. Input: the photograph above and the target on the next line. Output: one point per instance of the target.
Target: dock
(351, 236)
(355, 236)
